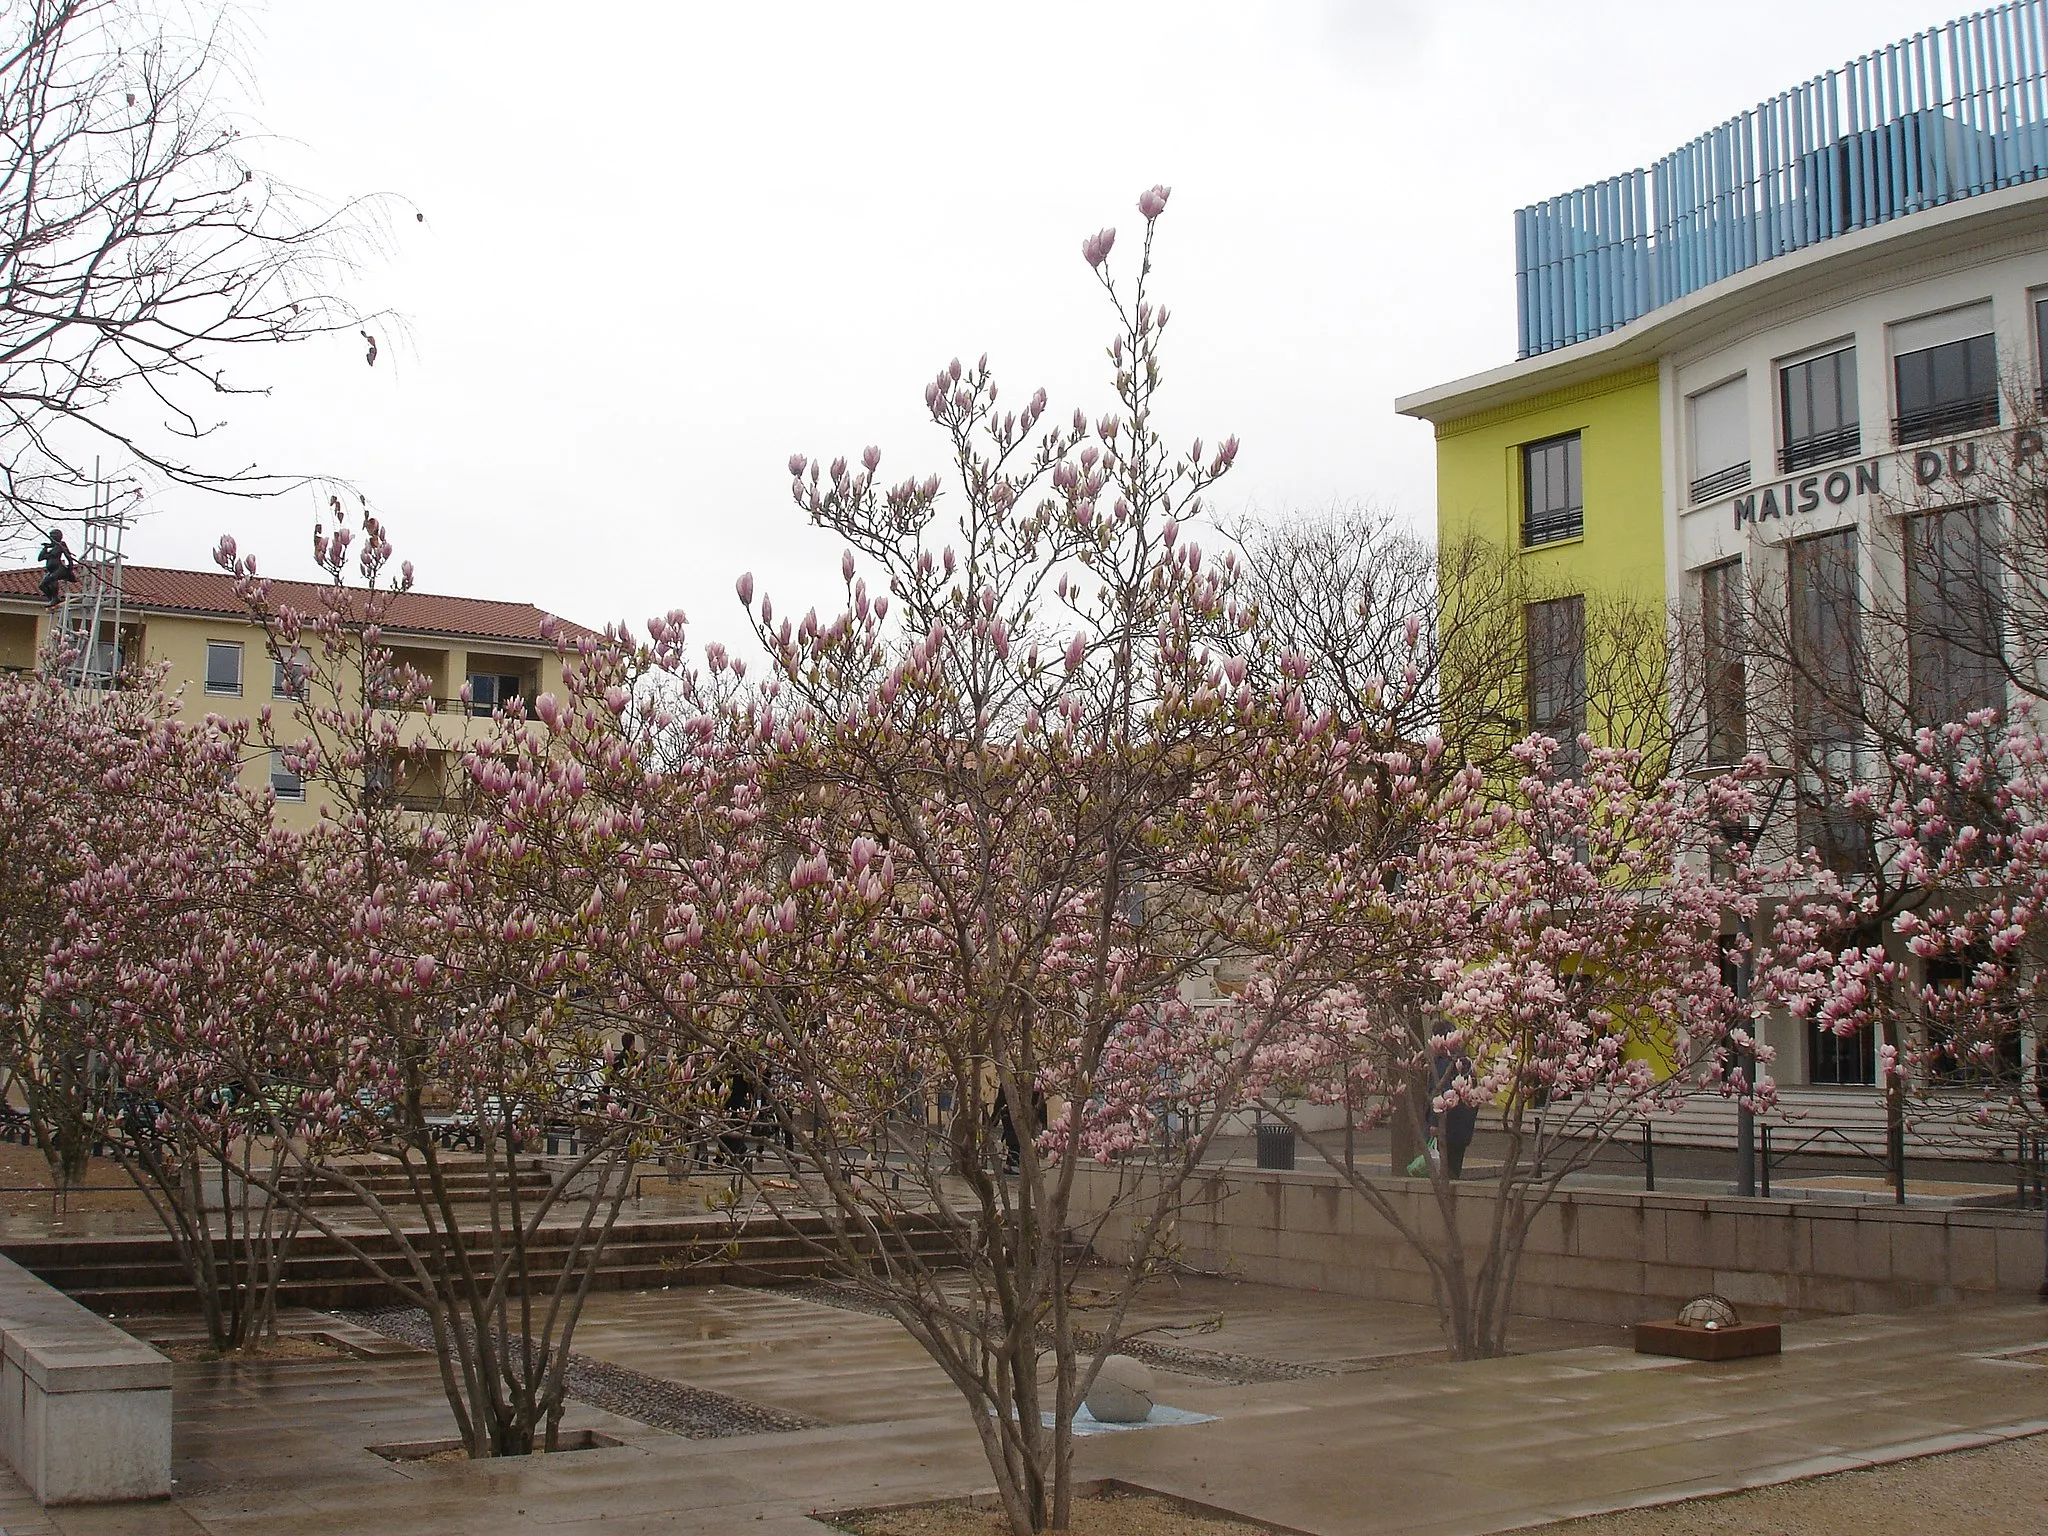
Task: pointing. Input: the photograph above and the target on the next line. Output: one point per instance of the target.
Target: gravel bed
(1207, 1364)
(691, 1412)
(2001, 1490)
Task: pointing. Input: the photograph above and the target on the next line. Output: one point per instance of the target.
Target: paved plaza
(1331, 1417)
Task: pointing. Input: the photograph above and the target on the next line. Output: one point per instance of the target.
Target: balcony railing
(1821, 448)
(1551, 527)
(1945, 420)
(1954, 112)
(1719, 483)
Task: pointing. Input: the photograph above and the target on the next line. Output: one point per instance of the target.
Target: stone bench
(85, 1409)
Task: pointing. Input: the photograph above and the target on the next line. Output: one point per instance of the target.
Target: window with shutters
(1719, 419)
(223, 666)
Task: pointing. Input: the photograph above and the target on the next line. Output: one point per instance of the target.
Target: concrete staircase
(465, 1175)
(117, 1276)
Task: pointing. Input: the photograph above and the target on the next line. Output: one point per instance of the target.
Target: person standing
(1460, 1119)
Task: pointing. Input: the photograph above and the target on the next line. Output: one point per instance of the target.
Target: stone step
(144, 1273)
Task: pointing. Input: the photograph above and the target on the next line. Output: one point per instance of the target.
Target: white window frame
(1709, 481)
(206, 678)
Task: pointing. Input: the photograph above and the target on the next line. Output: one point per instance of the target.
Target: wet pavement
(1390, 1442)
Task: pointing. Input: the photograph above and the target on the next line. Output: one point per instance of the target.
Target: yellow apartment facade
(476, 653)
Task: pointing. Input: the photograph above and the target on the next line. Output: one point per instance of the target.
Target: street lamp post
(1745, 1063)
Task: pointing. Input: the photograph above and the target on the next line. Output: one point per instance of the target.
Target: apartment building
(476, 654)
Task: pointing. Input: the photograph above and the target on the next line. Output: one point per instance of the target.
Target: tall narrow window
(223, 666)
(1955, 622)
(1945, 369)
(1720, 440)
(1844, 1061)
(1724, 658)
(1553, 497)
(1557, 677)
(1819, 413)
(1827, 661)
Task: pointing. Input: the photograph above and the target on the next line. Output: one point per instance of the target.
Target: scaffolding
(91, 617)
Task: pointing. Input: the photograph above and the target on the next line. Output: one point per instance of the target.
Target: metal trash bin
(1276, 1146)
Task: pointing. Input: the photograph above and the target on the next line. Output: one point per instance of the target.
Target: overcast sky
(668, 244)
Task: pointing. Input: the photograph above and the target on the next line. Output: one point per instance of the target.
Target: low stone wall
(1596, 1256)
(85, 1409)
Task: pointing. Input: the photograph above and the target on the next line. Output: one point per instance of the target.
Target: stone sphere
(1122, 1393)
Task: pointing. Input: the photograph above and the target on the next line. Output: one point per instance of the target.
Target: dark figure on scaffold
(57, 567)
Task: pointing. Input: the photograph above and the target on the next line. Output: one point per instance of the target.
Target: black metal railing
(2030, 1171)
(1551, 527)
(1719, 483)
(1821, 448)
(1945, 420)
(1834, 1141)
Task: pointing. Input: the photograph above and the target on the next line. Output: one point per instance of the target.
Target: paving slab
(1430, 1449)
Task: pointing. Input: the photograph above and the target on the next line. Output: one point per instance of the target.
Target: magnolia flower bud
(745, 587)
(1152, 203)
(1095, 249)
(796, 465)
(846, 565)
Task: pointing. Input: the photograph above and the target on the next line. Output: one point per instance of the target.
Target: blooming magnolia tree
(380, 1010)
(922, 907)
(151, 965)
(1967, 823)
(1543, 953)
(85, 778)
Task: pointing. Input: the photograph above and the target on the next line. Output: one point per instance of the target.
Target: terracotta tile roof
(159, 589)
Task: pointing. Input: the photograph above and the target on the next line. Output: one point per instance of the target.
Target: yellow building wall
(1479, 483)
(178, 643)
(1620, 554)
(19, 633)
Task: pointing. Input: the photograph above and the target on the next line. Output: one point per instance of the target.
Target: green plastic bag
(1420, 1166)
